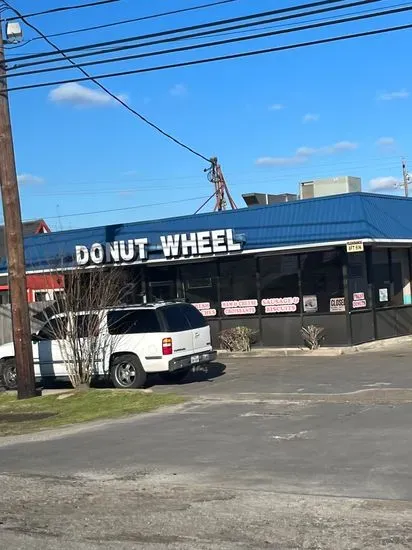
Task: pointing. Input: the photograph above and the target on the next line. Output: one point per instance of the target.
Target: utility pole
(405, 177)
(215, 176)
(14, 243)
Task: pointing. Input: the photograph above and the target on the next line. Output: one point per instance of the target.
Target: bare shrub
(237, 338)
(313, 336)
(78, 316)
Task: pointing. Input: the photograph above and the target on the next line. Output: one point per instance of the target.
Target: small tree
(78, 315)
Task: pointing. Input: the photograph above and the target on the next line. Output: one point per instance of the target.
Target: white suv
(165, 338)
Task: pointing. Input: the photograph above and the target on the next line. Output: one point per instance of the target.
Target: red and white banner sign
(202, 305)
(239, 311)
(288, 300)
(239, 303)
(287, 308)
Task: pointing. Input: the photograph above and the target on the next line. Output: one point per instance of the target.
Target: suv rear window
(196, 319)
(175, 318)
(133, 322)
(182, 317)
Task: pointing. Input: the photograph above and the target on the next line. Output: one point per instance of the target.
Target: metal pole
(405, 178)
(15, 248)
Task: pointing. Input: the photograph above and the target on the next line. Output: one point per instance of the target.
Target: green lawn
(17, 417)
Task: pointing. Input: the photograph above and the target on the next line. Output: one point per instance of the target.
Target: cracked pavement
(282, 453)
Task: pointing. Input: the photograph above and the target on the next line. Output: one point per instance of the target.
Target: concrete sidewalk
(391, 344)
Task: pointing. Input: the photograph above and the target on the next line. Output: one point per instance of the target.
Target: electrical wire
(184, 29)
(63, 8)
(137, 19)
(126, 208)
(226, 57)
(221, 42)
(107, 91)
(195, 35)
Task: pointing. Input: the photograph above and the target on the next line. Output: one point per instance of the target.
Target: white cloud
(179, 90)
(390, 96)
(338, 147)
(385, 182)
(281, 161)
(310, 117)
(27, 179)
(386, 142)
(129, 173)
(81, 96)
(303, 154)
(276, 107)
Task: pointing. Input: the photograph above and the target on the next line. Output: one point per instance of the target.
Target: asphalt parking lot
(284, 453)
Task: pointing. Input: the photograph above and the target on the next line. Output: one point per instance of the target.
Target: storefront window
(322, 282)
(381, 277)
(279, 283)
(238, 293)
(357, 281)
(401, 279)
(200, 284)
(162, 283)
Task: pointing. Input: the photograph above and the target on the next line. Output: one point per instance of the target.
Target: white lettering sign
(287, 308)
(239, 311)
(354, 246)
(180, 245)
(337, 304)
(357, 304)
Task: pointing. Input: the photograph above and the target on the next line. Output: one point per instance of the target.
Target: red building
(39, 287)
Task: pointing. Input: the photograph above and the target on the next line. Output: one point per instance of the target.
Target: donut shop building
(341, 262)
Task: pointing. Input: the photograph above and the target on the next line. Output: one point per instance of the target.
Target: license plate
(194, 359)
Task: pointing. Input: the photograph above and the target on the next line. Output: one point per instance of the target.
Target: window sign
(181, 245)
(205, 309)
(239, 307)
(354, 246)
(337, 304)
(383, 295)
(358, 300)
(281, 305)
(310, 304)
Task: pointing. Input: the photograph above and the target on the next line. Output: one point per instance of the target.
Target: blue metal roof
(334, 218)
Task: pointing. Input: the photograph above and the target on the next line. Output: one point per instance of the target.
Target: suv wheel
(175, 376)
(8, 374)
(127, 372)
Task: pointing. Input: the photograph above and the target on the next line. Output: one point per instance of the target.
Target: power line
(184, 29)
(126, 208)
(329, 40)
(223, 42)
(178, 38)
(107, 91)
(63, 8)
(136, 19)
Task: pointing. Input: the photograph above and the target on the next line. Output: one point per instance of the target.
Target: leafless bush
(76, 318)
(237, 338)
(313, 336)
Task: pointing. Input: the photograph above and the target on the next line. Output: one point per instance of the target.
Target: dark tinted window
(175, 318)
(322, 281)
(133, 322)
(194, 316)
(86, 325)
(55, 329)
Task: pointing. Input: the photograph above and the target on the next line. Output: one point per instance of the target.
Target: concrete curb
(375, 346)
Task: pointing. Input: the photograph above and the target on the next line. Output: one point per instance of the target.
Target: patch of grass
(39, 413)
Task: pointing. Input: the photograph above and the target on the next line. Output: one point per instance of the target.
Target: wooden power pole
(15, 247)
(405, 176)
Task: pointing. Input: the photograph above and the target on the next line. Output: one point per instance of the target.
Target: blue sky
(273, 120)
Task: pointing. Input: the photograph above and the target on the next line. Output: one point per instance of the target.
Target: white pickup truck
(164, 338)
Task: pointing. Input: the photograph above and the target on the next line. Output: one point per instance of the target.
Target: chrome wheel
(126, 374)
(9, 375)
